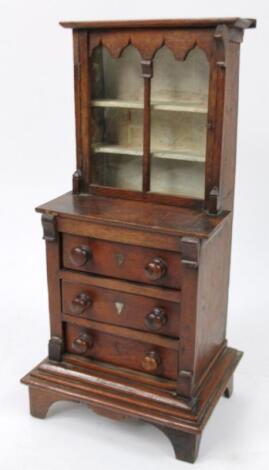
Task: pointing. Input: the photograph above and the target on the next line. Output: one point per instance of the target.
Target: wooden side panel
(147, 74)
(82, 110)
(230, 127)
(204, 297)
(53, 257)
(215, 122)
(77, 90)
(190, 262)
(212, 298)
(53, 252)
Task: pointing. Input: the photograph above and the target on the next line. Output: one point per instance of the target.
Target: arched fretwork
(148, 42)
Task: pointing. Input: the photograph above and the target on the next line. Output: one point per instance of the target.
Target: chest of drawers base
(137, 318)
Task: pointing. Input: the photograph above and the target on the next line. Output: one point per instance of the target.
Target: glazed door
(148, 118)
(117, 119)
(179, 105)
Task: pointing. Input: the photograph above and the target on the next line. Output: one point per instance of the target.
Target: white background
(37, 161)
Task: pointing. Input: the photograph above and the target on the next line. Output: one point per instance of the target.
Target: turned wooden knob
(156, 319)
(80, 303)
(156, 269)
(151, 361)
(80, 255)
(82, 343)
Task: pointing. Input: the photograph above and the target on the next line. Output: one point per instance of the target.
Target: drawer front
(120, 308)
(124, 352)
(148, 265)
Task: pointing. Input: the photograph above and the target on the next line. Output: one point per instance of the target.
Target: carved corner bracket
(236, 35)
(185, 384)
(213, 205)
(77, 181)
(49, 224)
(236, 32)
(190, 249)
(147, 68)
(223, 36)
(55, 348)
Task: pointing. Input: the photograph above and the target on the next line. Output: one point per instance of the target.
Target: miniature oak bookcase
(138, 254)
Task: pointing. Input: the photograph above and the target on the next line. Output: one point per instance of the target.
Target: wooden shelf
(186, 106)
(117, 104)
(117, 149)
(183, 155)
(179, 106)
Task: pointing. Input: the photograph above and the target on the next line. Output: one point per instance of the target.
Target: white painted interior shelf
(187, 106)
(184, 155)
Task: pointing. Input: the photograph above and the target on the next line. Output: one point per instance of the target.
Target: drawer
(147, 265)
(124, 352)
(120, 308)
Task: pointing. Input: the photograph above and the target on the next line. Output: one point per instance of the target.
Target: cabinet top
(169, 220)
(240, 23)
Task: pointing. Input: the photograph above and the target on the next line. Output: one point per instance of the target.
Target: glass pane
(117, 119)
(178, 123)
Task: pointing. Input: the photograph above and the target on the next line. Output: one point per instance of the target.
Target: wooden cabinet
(138, 254)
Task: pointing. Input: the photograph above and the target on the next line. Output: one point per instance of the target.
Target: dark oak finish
(138, 280)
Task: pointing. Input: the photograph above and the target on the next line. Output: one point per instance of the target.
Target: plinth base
(116, 397)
